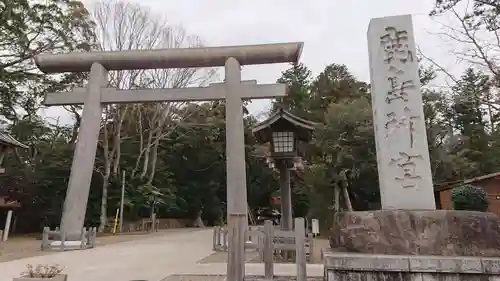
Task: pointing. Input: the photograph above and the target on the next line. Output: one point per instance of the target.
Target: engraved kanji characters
(396, 54)
(398, 90)
(407, 167)
(406, 121)
(395, 44)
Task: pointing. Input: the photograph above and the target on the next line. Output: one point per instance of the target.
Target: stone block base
(58, 241)
(69, 245)
(414, 232)
(361, 267)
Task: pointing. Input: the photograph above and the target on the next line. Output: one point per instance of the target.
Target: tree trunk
(105, 176)
(347, 199)
(154, 159)
(199, 222)
(103, 220)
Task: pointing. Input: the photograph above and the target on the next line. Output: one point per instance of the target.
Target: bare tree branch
(126, 26)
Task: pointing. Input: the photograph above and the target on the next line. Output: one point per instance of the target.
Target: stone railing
(354, 266)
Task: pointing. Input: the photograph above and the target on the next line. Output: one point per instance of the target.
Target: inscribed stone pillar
(402, 153)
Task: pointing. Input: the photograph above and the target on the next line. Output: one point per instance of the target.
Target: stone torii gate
(233, 91)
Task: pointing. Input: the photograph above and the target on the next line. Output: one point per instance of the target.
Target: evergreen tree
(298, 80)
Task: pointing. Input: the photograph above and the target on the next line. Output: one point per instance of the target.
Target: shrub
(42, 271)
(470, 198)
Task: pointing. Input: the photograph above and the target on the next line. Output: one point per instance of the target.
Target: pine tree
(298, 80)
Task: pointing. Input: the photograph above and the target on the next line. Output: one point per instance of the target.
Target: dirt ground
(223, 278)
(253, 257)
(29, 246)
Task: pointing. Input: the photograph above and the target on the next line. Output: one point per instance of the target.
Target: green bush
(470, 198)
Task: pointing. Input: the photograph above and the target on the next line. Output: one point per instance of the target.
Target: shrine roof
(7, 140)
(302, 127)
(452, 184)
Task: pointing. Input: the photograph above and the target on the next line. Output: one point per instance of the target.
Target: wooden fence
(283, 240)
(270, 242)
(256, 235)
(56, 240)
(220, 239)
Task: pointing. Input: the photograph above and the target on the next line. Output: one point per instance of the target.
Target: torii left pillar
(84, 155)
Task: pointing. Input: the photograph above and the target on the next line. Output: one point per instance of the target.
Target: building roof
(449, 185)
(9, 141)
(303, 127)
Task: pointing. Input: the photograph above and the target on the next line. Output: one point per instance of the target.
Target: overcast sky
(332, 31)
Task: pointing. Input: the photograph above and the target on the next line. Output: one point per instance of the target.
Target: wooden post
(153, 222)
(300, 257)
(45, 238)
(286, 196)
(268, 250)
(311, 246)
(63, 239)
(82, 238)
(214, 239)
(7, 225)
(88, 238)
(219, 238)
(260, 242)
(94, 235)
(224, 238)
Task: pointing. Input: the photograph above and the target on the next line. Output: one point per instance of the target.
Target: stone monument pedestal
(414, 245)
(369, 267)
(412, 232)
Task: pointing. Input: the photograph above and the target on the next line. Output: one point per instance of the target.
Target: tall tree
(469, 118)
(29, 28)
(125, 26)
(476, 32)
(298, 79)
(334, 85)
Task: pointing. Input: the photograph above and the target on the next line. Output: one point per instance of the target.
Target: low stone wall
(174, 223)
(360, 267)
(145, 224)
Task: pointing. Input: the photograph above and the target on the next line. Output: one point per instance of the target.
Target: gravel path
(24, 247)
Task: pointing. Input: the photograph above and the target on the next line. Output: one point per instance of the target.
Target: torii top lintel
(170, 58)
